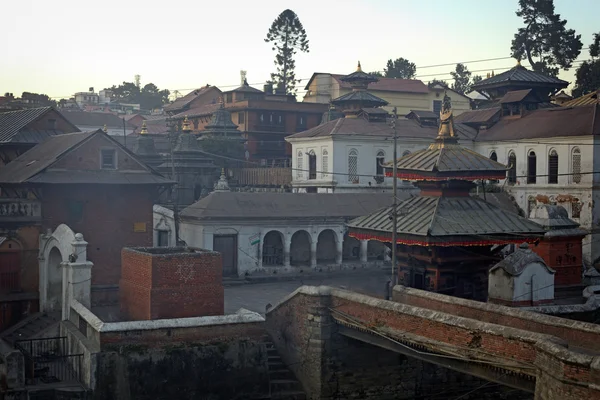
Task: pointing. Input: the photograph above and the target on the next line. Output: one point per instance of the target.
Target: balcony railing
(20, 210)
(274, 177)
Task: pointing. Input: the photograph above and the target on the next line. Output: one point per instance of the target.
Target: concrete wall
(534, 285)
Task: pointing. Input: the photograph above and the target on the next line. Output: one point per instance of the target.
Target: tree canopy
(462, 79)
(148, 97)
(587, 77)
(39, 99)
(545, 41)
(435, 81)
(287, 36)
(400, 68)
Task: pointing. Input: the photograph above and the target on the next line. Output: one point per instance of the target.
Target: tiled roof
(154, 127)
(13, 124)
(486, 115)
(438, 217)
(547, 123)
(515, 96)
(514, 264)
(185, 100)
(201, 111)
(363, 97)
(267, 205)
(34, 166)
(590, 98)
(84, 118)
(390, 85)
(451, 158)
(520, 74)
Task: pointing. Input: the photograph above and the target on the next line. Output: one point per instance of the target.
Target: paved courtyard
(255, 296)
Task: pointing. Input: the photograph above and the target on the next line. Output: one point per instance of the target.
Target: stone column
(260, 249)
(313, 253)
(287, 244)
(339, 247)
(363, 250)
(77, 277)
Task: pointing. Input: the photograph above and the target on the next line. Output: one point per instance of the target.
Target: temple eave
(437, 176)
(445, 241)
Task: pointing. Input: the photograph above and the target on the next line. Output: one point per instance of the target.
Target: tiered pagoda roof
(358, 98)
(445, 214)
(222, 126)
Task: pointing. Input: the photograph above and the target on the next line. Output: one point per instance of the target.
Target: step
(278, 385)
(273, 358)
(288, 395)
(281, 373)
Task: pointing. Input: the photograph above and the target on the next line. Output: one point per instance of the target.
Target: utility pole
(174, 189)
(124, 133)
(395, 205)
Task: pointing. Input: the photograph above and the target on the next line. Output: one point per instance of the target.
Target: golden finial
(446, 129)
(223, 172)
(359, 68)
(144, 130)
(493, 73)
(519, 62)
(488, 75)
(186, 127)
(105, 129)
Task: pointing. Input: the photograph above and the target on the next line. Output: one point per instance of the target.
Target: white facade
(85, 98)
(348, 164)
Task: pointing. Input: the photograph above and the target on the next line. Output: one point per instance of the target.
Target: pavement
(255, 296)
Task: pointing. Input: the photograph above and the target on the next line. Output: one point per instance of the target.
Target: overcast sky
(64, 46)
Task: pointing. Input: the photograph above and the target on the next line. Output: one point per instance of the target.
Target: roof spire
(186, 127)
(519, 62)
(446, 129)
(105, 129)
(359, 68)
(222, 185)
(144, 130)
(493, 73)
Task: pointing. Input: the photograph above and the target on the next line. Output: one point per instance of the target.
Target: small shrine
(221, 126)
(446, 239)
(352, 104)
(145, 149)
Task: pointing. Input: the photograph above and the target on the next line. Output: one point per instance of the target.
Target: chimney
(268, 88)
(91, 89)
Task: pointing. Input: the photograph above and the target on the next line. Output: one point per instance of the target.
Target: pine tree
(287, 36)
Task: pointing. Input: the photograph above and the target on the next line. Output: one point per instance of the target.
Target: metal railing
(263, 176)
(46, 361)
(10, 281)
(20, 209)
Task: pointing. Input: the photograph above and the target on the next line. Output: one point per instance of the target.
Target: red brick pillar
(564, 255)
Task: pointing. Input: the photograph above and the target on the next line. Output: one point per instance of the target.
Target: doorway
(227, 246)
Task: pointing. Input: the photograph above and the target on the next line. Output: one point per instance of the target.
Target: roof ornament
(222, 185)
(446, 129)
(518, 62)
(144, 130)
(488, 75)
(359, 68)
(105, 129)
(186, 127)
(493, 74)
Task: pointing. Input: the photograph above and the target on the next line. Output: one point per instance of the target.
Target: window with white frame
(512, 168)
(553, 166)
(325, 162)
(380, 159)
(353, 166)
(576, 165)
(300, 165)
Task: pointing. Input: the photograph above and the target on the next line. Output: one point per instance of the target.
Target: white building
(86, 98)
(276, 232)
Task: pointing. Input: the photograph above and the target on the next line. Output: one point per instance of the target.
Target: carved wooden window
(512, 171)
(380, 159)
(553, 167)
(576, 165)
(325, 162)
(353, 166)
(300, 165)
(531, 167)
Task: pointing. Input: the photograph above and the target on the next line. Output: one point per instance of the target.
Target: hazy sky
(64, 46)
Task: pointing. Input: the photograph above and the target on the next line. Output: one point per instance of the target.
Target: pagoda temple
(359, 99)
(447, 239)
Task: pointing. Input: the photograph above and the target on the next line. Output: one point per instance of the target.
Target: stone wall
(170, 283)
(575, 332)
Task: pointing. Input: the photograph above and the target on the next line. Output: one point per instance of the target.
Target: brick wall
(574, 332)
(564, 255)
(161, 283)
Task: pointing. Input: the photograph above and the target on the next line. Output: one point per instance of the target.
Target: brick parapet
(577, 333)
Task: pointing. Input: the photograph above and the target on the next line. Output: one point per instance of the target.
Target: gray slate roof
(438, 217)
(243, 205)
(514, 264)
(362, 97)
(13, 124)
(92, 119)
(34, 166)
(520, 74)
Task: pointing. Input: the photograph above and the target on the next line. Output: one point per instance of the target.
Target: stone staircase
(31, 327)
(283, 383)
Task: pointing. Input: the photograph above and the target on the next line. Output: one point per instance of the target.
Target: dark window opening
(312, 165)
(531, 167)
(108, 159)
(553, 167)
(75, 211)
(512, 171)
(163, 239)
(380, 159)
(51, 124)
(437, 106)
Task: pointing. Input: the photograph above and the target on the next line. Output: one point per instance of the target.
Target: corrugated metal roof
(423, 114)
(92, 119)
(387, 84)
(520, 74)
(590, 98)
(99, 177)
(450, 158)
(12, 122)
(240, 205)
(429, 216)
(201, 111)
(478, 116)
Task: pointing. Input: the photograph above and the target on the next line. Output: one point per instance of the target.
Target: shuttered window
(353, 166)
(576, 165)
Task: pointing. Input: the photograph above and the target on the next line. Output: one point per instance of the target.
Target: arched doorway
(10, 266)
(326, 248)
(55, 281)
(300, 248)
(350, 249)
(376, 250)
(272, 251)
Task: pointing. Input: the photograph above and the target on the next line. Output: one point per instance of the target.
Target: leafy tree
(587, 77)
(435, 81)
(38, 99)
(462, 79)
(287, 35)
(545, 37)
(477, 79)
(148, 97)
(377, 74)
(400, 68)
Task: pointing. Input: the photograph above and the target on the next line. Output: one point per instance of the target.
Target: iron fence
(47, 361)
